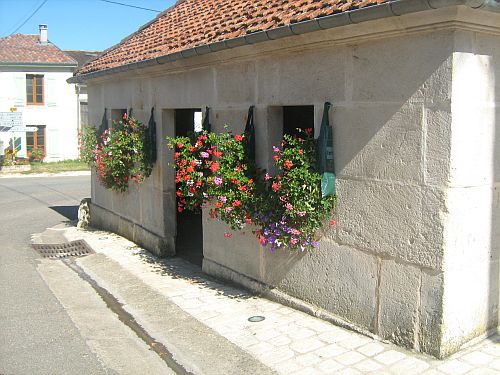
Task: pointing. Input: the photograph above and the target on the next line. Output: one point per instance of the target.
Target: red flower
(190, 169)
(192, 149)
(187, 178)
(299, 151)
(180, 145)
(214, 167)
(275, 186)
(178, 192)
(236, 203)
(179, 209)
(219, 204)
(217, 154)
(238, 138)
(176, 155)
(276, 157)
(243, 188)
(193, 163)
(228, 235)
(333, 222)
(288, 164)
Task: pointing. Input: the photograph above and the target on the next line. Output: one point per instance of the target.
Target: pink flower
(218, 181)
(267, 176)
(228, 209)
(276, 149)
(288, 206)
(301, 213)
(294, 240)
(223, 199)
(204, 154)
(228, 235)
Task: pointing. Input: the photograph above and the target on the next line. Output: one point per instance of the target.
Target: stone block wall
(414, 255)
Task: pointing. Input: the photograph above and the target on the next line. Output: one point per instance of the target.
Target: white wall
(472, 236)
(58, 113)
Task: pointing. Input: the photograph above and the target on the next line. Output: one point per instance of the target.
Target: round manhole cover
(256, 319)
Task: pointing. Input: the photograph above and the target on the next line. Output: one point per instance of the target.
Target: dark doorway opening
(189, 236)
(299, 116)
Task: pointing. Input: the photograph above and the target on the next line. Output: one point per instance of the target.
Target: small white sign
(23, 129)
(10, 119)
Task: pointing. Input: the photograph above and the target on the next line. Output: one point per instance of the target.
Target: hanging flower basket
(287, 209)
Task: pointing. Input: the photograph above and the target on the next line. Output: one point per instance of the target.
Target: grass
(58, 166)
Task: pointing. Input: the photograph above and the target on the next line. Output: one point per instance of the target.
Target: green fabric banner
(104, 123)
(151, 137)
(206, 121)
(325, 161)
(250, 137)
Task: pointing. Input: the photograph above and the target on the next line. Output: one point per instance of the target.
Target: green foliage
(287, 208)
(292, 210)
(36, 155)
(121, 155)
(87, 142)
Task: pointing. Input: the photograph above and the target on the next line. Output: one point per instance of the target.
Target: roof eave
(37, 64)
(369, 13)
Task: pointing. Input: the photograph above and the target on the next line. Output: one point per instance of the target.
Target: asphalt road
(36, 334)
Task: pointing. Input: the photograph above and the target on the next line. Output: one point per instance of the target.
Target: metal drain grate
(76, 248)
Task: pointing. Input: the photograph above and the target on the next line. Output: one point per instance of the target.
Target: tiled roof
(22, 48)
(82, 57)
(192, 23)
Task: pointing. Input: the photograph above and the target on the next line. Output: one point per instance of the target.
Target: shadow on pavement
(177, 268)
(69, 212)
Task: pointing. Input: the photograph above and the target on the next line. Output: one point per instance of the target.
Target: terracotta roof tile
(22, 48)
(192, 23)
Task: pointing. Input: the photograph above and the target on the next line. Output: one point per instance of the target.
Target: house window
(300, 116)
(34, 89)
(36, 140)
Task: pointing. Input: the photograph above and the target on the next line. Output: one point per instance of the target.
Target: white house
(33, 89)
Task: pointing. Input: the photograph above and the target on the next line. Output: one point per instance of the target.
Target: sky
(91, 25)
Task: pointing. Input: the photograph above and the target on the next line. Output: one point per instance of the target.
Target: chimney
(43, 34)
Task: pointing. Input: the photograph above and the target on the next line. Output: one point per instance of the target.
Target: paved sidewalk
(45, 174)
(287, 341)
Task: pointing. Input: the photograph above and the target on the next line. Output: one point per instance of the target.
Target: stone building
(415, 91)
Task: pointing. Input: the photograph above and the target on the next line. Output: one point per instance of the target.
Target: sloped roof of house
(82, 57)
(196, 27)
(192, 23)
(25, 48)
